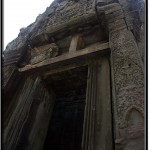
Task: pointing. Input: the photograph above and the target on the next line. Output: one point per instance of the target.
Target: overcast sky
(19, 14)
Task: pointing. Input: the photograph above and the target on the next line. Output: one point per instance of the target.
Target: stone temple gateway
(74, 79)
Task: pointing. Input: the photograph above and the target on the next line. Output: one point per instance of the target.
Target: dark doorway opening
(66, 124)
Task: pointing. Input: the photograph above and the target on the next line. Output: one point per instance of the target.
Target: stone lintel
(64, 68)
(97, 47)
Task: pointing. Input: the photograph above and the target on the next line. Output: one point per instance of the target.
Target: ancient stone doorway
(72, 109)
(66, 124)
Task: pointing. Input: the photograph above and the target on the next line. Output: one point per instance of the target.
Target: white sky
(19, 14)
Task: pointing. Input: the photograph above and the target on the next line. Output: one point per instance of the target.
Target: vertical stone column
(27, 126)
(76, 43)
(97, 132)
(128, 84)
(127, 81)
(103, 113)
(15, 124)
(88, 133)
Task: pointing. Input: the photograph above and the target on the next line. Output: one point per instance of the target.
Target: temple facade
(74, 79)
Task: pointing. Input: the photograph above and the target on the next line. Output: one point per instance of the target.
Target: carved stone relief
(128, 79)
(65, 12)
(128, 74)
(133, 134)
(68, 10)
(41, 53)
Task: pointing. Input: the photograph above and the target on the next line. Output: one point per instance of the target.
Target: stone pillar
(74, 43)
(97, 132)
(28, 124)
(128, 84)
(88, 130)
(127, 81)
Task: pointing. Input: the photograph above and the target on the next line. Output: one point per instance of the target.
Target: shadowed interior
(66, 124)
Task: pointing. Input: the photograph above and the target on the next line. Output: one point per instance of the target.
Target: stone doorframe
(97, 128)
(97, 124)
(97, 118)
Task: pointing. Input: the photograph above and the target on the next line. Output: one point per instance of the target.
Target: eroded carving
(128, 73)
(65, 12)
(132, 136)
(41, 53)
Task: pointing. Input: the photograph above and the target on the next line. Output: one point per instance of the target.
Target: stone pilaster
(97, 132)
(27, 126)
(88, 133)
(127, 81)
